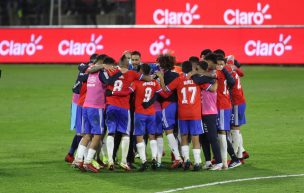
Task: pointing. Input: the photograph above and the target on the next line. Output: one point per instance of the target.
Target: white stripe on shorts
(82, 123)
(222, 120)
(129, 123)
(100, 111)
(236, 114)
(164, 118)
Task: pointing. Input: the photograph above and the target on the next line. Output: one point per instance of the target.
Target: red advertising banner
(63, 45)
(220, 12)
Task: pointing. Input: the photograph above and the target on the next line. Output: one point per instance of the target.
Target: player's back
(189, 99)
(237, 90)
(122, 84)
(144, 91)
(223, 95)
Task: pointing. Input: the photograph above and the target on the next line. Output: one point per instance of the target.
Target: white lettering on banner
(73, 48)
(167, 17)
(160, 46)
(237, 17)
(12, 48)
(259, 48)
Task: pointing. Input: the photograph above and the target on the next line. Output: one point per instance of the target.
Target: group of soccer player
(130, 103)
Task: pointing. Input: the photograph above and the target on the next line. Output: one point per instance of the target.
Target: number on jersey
(117, 85)
(238, 81)
(225, 92)
(190, 90)
(148, 93)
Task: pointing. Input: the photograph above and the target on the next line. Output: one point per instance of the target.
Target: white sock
(125, 141)
(110, 148)
(185, 152)
(153, 146)
(89, 158)
(86, 150)
(80, 152)
(197, 156)
(104, 148)
(141, 148)
(223, 148)
(235, 135)
(173, 146)
(241, 143)
(208, 163)
(160, 149)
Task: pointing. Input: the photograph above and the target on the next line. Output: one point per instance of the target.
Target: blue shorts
(158, 123)
(238, 115)
(93, 121)
(169, 116)
(118, 120)
(73, 115)
(79, 120)
(192, 127)
(223, 119)
(144, 124)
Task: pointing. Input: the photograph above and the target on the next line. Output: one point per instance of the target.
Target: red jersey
(82, 94)
(144, 91)
(123, 83)
(223, 95)
(189, 98)
(237, 90)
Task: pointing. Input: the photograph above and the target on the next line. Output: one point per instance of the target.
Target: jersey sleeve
(157, 88)
(173, 85)
(205, 86)
(135, 75)
(106, 79)
(132, 87)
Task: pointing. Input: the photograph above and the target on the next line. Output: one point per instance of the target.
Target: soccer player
(135, 61)
(169, 106)
(238, 109)
(118, 115)
(94, 105)
(194, 61)
(144, 117)
(76, 91)
(224, 79)
(189, 114)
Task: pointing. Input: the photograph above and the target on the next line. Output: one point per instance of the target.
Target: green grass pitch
(35, 136)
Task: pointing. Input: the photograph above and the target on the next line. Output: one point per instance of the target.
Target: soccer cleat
(216, 167)
(101, 163)
(213, 161)
(96, 164)
(234, 164)
(242, 160)
(154, 164)
(90, 167)
(79, 165)
(69, 158)
(111, 167)
(176, 164)
(187, 165)
(245, 155)
(172, 156)
(125, 166)
(132, 166)
(160, 166)
(143, 167)
(197, 167)
(207, 166)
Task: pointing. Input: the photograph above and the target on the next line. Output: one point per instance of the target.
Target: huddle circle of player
(130, 103)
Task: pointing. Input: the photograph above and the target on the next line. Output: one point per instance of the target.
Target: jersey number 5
(192, 90)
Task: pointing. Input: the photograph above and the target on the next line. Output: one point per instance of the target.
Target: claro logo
(167, 17)
(73, 48)
(12, 48)
(259, 48)
(237, 17)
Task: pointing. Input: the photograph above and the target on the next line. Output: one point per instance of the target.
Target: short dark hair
(186, 67)
(101, 57)
(194, 59)
(136, 53)
(93, 58)
(219, 52)
(211, 57)
(203, 65)
(220, 58)
(145, 69)
(205, 52)
(166, 61)
(109, 60)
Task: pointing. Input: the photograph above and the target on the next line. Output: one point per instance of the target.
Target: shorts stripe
(100, 111)
(82, 123)
(236, 115)
(222, 120)
(164, 118)
(129, 123)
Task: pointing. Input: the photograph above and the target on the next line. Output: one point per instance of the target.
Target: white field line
(231, 181)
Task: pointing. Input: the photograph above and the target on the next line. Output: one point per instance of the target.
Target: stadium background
(35, 99)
